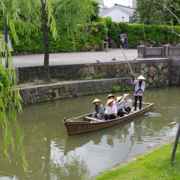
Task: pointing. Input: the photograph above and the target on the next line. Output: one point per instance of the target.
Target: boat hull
(81, 125)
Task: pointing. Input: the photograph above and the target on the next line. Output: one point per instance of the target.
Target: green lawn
(152, 166)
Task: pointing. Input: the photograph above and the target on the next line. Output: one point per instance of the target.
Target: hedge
(31, 40)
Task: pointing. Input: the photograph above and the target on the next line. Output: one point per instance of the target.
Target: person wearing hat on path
(99, 109)
(139, 90)
(111, 96)
(111, 110)
(127, 103)
(120, 106)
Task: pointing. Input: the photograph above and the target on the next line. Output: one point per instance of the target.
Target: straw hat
(141, 78)
(110, 101)
(119, 98)
(110, 95)
(96, 100)
(126, 95)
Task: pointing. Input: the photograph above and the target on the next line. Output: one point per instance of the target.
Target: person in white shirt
(110, 96)
(111, 110)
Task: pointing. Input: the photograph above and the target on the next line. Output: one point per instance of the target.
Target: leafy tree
(174, 7)
(69, 15)
(158, 11)
(9, 93)
(95, 17)
(175, 15)
(149, 12)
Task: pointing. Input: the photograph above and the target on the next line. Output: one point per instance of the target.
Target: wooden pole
(127, 61)
(175, 144)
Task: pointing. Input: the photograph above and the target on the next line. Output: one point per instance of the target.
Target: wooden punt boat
(86, 123)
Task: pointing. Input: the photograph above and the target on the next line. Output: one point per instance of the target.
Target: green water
(51, 154)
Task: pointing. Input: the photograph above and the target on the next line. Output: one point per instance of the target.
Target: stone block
(92, 70)
(152, 71)
(160, 65)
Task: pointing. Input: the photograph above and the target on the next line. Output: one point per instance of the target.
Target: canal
(52, 154)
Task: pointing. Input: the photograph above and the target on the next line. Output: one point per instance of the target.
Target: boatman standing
(139, 90)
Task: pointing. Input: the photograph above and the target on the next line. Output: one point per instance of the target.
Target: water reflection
(52, 154)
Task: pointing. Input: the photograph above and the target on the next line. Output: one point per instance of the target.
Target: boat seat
(93, 119)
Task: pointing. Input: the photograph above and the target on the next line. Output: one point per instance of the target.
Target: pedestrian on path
(106, 42)
(125, 42)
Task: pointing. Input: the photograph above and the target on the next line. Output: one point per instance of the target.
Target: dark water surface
(53, 155)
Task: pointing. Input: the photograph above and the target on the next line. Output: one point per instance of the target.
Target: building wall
(117, 15)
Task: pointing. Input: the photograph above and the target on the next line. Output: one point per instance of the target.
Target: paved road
(74, 58)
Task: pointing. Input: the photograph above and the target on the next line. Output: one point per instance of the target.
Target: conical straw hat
(125, 95)
(141, 78)
(109, 101)
(96, 100)
(119, 98)
(110, 95)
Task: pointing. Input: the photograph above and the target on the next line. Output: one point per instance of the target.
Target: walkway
(74, 58)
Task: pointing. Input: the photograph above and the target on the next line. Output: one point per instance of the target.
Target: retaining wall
(153, 70)
(172, 53)
(72, 89)
(157, 73)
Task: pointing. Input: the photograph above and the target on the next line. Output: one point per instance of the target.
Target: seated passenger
(111, 96)
(99, 109)
(120, 106)
(111, 110)
(127, 103)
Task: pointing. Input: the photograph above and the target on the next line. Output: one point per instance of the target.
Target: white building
(119, 13)
(102, 8)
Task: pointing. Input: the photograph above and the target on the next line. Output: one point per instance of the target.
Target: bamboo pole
(129, 66)
(127, 61)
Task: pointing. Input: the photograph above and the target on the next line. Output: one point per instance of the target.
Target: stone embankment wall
(157, 72)
(72, 89)
(166, 51)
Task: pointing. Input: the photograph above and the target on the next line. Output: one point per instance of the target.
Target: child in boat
(111, 96)
(127, 103)
(111, 110)
(99, 109)
(139, 90)
(120, 106)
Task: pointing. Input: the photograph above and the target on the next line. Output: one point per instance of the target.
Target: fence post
(142, 51)
(175, 144)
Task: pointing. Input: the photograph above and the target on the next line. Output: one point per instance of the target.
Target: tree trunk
(46, 76)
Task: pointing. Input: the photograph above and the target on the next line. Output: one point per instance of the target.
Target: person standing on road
(106, 42)
(139, 90)
(125, 42)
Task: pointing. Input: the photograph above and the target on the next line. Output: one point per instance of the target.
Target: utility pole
(6, 40)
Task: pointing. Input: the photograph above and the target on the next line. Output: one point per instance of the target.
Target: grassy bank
(152, 166)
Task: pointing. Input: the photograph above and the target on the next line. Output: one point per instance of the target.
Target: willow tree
(9, 94)
(50, 15)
